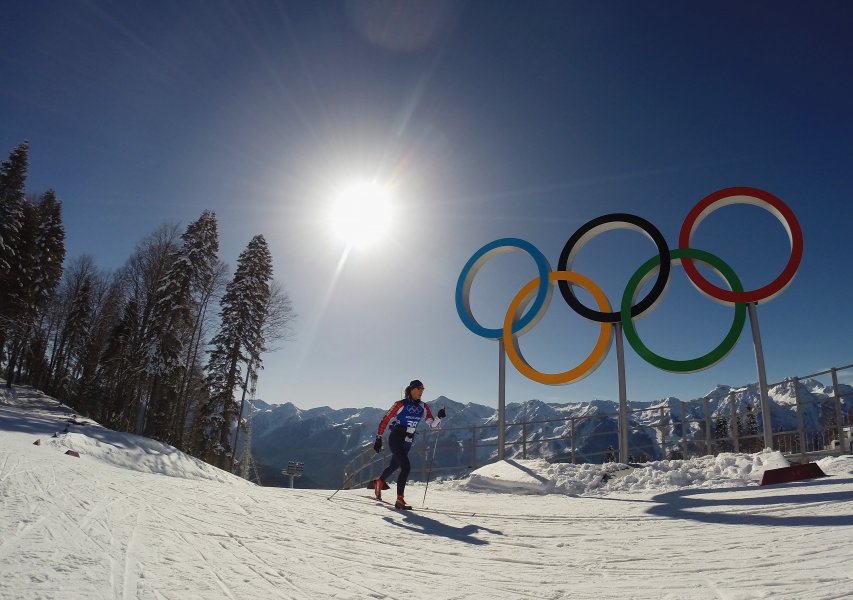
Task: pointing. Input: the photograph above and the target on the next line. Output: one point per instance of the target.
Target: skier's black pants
(399, 459)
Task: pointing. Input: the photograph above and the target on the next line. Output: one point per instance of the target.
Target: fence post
(837, 395)
(735, 423)
(684, 429)
(473, 448)
(708, 447)
(801, 427)
(524, 440)
(573, 440)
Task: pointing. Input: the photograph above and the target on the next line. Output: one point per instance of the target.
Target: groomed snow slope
(132, 518)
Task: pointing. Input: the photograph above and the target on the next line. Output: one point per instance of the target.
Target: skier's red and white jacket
(408, 414)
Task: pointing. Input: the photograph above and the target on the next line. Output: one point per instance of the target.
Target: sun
(361, 214)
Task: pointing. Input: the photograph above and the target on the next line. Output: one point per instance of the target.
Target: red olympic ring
(756, 197)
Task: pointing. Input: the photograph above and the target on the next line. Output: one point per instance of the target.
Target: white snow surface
(133, 518)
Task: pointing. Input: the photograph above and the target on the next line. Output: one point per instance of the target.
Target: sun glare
(361, 214)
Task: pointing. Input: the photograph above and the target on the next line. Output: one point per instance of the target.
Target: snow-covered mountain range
(326, 439)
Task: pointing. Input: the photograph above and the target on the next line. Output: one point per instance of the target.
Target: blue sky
(488, 120)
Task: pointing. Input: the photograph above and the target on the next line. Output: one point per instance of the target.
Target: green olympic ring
(650, 267)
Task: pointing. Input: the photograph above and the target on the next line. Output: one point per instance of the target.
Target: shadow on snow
(421, 524)
(691, 505)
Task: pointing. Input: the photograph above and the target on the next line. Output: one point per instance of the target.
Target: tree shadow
(18, 423)
(421, 524)
(24, 410)
(688, 504)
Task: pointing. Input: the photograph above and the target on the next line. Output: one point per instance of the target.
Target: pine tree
(750, 431)
(89, 390)
(208, 275)
(18, 285)
(39, 253)
(50, 248)
(13, 175)
(115, 372)
(74, 331)
(721, 433)
(239, 341)
(194, 392)
(172, 318)
(142, 277)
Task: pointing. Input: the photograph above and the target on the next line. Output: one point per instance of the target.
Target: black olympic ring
(600, 225)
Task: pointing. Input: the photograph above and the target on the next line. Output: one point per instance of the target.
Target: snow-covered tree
(721, 433)
(238, 342)
(193, 263)
(116, 374)
(142, 277)
(49, 247)
(751, 443)
(39, 251)
(73, 335)
(13, 175)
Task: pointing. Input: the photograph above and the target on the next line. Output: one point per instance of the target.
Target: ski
(389, 505)
(439, 511)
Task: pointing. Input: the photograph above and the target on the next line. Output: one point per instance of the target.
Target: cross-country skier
(403, 420)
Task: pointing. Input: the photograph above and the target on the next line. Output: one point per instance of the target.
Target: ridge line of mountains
(326, 439)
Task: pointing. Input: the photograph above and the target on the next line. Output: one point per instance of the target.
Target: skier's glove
(441, 413)
(377, 445)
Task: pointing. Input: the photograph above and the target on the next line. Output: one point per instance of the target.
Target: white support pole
(573, 440)
(801, 422)
(766, 420)
(623, 395)
(837, 396)
(501, 398)
(709, 448)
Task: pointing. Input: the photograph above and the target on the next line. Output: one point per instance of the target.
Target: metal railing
(658, 431)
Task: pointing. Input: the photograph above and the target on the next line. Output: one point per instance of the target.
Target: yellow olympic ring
(519, 304)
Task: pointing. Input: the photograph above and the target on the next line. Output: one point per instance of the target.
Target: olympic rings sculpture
(531, 302)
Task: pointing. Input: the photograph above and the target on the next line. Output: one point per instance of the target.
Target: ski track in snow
(83, 528)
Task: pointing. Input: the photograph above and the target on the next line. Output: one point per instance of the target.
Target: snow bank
(724, 470)
(137, 453)
(28, 415)
(836, 465)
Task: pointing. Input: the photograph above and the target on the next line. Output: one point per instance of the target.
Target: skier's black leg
(400, 459)
(395, 445)
(392, 466)
(405, 467)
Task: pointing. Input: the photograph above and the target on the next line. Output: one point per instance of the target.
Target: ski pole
(339, 489)
(354, 470)
(429, 471)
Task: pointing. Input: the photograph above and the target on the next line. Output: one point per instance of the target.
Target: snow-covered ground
(132, 518)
